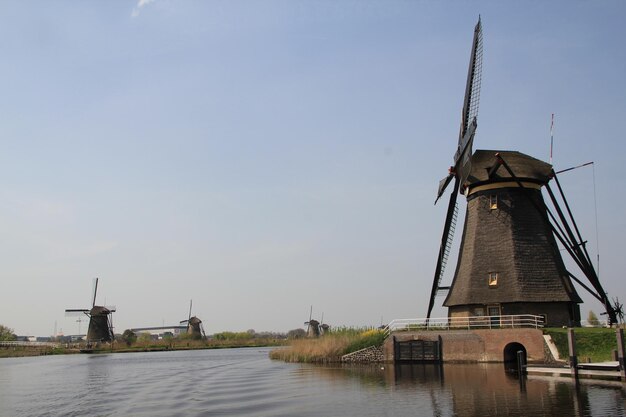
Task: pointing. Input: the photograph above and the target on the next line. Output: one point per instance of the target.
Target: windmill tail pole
(571, 216)
(576, 167)
(578, 255)
(589, 290)
(574, 243)
(584, 258)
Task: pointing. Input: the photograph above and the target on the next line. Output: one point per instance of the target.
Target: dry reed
(329, 348)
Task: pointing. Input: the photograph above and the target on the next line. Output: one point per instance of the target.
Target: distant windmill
(323, 326)
(313, 326)
(194, 325)
(100, 319)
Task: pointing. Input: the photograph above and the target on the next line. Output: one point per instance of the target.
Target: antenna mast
(551, 137)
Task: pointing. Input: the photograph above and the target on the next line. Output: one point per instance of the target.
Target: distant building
(161, 331)
(26, 339)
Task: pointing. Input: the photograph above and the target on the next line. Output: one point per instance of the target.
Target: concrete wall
(474, 345)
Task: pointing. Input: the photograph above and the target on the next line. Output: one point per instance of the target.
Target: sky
(263, 157)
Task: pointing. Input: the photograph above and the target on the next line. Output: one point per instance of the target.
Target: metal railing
(528, 321)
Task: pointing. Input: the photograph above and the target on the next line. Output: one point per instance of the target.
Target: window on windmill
(493, 279)
(493, 202)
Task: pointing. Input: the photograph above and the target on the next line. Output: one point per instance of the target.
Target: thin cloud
(139, 6)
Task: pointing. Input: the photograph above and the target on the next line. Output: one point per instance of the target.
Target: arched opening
(511, 355)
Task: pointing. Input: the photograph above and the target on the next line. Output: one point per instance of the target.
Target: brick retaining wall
(484, 345)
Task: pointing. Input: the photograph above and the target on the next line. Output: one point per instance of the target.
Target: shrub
(296, 334)
(592, 319)
(6, 334)
(129, 337)
(233, 336)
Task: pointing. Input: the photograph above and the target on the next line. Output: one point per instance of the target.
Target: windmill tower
(194, 325)
(100, 319)
(313, 326)
(509, 261)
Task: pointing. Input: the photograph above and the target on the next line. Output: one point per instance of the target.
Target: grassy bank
(330, 347)
(141, 346)
(593, 344)
(22, 351)
(174, 344)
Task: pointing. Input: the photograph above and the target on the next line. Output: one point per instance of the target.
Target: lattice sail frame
(476, 79)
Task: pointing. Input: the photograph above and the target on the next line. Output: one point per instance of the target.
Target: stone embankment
(370, 354)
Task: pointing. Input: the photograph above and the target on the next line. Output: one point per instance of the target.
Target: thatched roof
(194, 321)
(99, 310)
(525, 167)
(514, 241)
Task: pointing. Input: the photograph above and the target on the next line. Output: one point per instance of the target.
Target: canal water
(245, 382)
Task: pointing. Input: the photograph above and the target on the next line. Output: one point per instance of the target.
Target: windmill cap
(525, 167)
(96, 310)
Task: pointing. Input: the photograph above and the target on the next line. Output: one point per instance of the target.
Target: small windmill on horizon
(194, 324)
(100, 319)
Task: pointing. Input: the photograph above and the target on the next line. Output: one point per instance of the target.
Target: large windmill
(509, 261)
(100, 321)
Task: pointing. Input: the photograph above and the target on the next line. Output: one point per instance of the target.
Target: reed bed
(330, 347)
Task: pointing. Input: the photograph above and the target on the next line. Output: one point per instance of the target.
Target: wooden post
(621, 352)
(521, 370)
(521, 363)
(573, 360)
(440, 348)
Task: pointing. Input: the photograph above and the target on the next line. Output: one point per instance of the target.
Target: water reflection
(488, 389)
(246, 383)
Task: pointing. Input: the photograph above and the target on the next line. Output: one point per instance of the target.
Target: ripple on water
(244, 382)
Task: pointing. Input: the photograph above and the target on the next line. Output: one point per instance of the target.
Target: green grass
(190, 344)
(595, 344)
(20, 351)
(364, 340)
(144, 346)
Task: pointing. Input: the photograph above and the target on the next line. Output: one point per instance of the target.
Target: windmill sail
(462, 156)
(95, 291)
